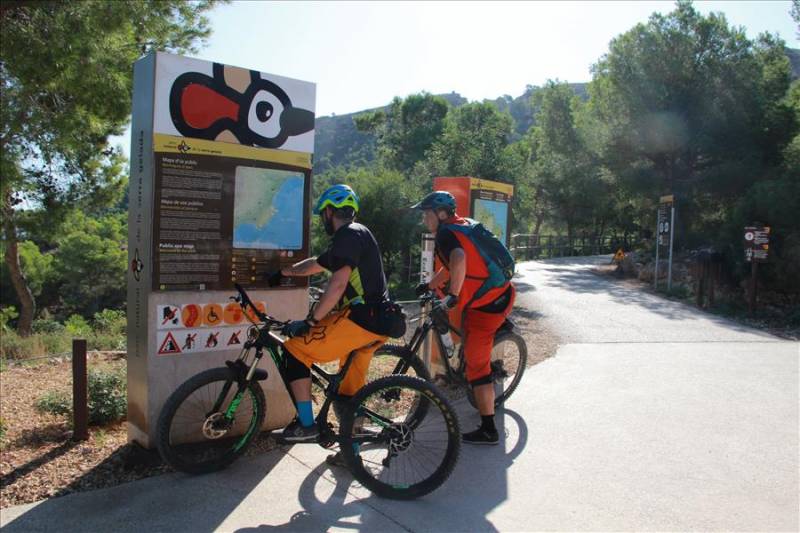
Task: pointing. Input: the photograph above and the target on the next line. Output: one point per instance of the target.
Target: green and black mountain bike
(508, 361)
(399, 435)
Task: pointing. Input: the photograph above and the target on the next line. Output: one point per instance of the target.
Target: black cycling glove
(421, 289)
(296, 328)
(274, 278)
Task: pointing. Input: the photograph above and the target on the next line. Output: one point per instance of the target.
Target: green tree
(691, 106)
(472, 143)
(567, 173)
(406, 130)
(66, 77)
(92, 249)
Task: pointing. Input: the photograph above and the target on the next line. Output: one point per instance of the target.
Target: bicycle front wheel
(194, 433)
(391, 456)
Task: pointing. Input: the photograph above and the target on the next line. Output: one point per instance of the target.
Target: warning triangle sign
(619, 256)
(169, 346)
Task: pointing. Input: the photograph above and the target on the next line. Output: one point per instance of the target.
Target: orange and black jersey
(495, 300)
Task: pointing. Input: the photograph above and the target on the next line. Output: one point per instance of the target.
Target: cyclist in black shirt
(345, 319)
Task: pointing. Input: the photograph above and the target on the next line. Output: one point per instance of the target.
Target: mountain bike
(508, 361)
(209, 421)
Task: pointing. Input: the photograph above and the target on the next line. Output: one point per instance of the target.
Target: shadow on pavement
(182, 503)
(478, 484)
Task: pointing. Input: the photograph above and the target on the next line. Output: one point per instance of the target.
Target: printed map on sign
(268, 209)
(493, 215)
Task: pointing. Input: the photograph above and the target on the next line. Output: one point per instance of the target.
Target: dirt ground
(39, 459)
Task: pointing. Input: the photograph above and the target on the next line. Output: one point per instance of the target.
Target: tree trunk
(24, 294)
(406, 264)
(538, 226)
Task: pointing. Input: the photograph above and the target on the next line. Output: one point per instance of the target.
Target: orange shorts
(479, 329)
(333, 338)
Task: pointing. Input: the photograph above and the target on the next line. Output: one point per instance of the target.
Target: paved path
(652, 416)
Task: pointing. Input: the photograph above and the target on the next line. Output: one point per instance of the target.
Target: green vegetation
(107, 398)
(105, 331)
(65, 70)
(56, 403)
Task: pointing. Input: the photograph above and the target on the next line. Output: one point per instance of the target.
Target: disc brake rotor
(215, 426)
(401, 440)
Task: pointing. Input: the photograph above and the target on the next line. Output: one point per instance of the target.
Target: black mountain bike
(508, 362)
(388, 445)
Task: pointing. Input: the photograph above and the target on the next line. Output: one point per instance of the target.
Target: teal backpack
(499, 261)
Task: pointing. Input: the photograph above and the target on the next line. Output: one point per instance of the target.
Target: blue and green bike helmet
(337, 196)
(437, 200)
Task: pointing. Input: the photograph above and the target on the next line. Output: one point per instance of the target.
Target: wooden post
(80, 405)
(699, 271)
(753, 287)
(711, 282)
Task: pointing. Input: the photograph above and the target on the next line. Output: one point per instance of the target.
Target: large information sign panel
(226, 217)
(221, 163)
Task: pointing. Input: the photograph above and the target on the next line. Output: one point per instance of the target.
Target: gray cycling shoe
(296, 432)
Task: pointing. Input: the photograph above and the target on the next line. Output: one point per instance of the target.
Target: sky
(363, 54)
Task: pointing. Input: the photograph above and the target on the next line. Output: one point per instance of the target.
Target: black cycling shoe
(481, 436)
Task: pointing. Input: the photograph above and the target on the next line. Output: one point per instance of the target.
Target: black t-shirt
(445, 243)
(354, 245)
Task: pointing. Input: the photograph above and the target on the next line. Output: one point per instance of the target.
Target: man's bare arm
(306, 267)
(458, 270)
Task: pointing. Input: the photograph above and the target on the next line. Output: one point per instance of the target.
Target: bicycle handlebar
(244, 301)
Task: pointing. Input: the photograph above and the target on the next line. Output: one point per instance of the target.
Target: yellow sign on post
(618, 257)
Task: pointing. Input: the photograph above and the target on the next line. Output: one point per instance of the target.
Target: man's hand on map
(274, 278)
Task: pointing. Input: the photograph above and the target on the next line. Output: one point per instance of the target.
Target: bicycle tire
(402, 352)
(511, 386)
(179, 455)
(439, 437)
(393, 355)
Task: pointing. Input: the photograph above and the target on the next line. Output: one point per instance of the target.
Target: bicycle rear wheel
(391, 456)
(508, 363)
(194, 434)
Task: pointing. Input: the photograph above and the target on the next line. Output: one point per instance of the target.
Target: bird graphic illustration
(257, 112)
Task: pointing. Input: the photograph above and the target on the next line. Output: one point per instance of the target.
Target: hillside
(339, 143)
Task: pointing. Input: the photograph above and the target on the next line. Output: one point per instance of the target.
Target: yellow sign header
(181, 145)
(487, 185)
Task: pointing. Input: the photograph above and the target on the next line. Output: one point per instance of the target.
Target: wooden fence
(527, 246)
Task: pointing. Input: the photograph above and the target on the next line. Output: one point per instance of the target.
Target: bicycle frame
(420, 334)
(260, 336)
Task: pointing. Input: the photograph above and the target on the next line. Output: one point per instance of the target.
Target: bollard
(80, 405)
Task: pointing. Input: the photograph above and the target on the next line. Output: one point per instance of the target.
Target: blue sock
(305, 413)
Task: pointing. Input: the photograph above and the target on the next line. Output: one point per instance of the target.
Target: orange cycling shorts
(333, 338)
(479, 329)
